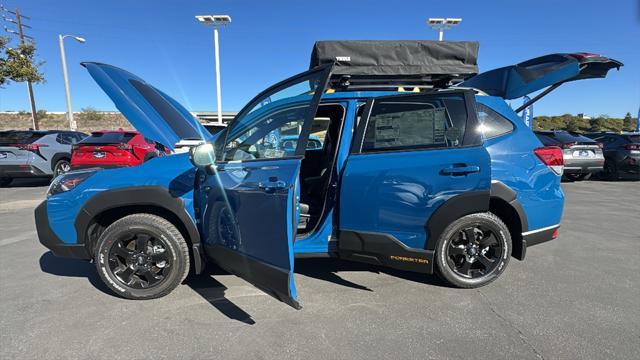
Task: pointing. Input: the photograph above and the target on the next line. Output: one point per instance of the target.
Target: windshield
(19, 137)
(108, 138)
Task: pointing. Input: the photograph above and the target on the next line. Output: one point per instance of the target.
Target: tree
(90, 114)
(597, 123)
(627, 123)
(573, 125)
(19, 64)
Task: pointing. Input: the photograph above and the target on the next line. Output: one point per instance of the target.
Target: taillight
(555, 233)
(552, 157)
(632, 146)
(568, 145)
(30, 147)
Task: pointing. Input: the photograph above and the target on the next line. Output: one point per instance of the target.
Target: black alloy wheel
(142, 256)
(140, 260)
(474, 252)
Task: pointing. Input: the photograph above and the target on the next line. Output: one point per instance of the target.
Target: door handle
(460, 170)
(272, 185)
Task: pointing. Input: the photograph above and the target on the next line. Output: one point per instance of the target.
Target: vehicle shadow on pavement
(328, 269)
(29, 182)
(213, 292)
(58, 266)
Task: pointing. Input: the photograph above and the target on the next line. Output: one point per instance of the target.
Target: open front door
(251, 193)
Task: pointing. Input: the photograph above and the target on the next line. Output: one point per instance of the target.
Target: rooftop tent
(424, 62)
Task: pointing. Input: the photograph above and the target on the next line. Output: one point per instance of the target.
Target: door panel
(252, 193)
(412, 155)
(249, 223)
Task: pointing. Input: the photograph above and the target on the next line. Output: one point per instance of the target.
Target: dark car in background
(35, 153)
(114, 148)
(582, 156)
(621, 154)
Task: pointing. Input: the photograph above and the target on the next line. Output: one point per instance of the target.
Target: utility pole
(32, 100)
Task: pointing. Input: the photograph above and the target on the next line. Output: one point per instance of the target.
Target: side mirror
(202, 155)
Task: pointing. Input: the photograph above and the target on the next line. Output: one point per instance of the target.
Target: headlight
(68, 181)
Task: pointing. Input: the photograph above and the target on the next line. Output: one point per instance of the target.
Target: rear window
(634, 138)
(19, 137)
(108, 138)
(565, 136)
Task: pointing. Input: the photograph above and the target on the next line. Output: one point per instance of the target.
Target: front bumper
(51, 241)
(21, 171)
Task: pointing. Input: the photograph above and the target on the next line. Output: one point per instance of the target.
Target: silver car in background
(582, 155)
(34, 153)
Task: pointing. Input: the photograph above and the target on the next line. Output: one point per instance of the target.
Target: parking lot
(576, 297)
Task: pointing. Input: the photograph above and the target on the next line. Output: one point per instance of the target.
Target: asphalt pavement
(577, 297)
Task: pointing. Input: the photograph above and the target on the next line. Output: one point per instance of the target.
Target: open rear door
(252, 192)
(518, 80)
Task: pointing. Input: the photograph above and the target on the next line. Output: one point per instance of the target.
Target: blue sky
(270, 40)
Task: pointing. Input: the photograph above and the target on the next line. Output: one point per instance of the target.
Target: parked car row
(611, 155)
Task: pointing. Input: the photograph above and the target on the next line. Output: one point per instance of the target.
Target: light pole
(216, 21)
(440, 25)
(63, 58)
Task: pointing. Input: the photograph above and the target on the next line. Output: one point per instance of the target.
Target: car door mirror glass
(202, 155)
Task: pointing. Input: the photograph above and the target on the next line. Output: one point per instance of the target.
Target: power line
(18, 19)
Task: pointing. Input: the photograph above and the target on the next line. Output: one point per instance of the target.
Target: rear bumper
(539, 236)
(21, 171)
(574, 166)
(49, 239)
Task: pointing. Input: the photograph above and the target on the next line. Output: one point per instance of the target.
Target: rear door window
(108, 138)
(417, 122)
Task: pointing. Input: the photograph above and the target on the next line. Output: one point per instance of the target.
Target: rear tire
(5, 181)
(473, 251)
(142, 256)
(610, 171)
(578, 177)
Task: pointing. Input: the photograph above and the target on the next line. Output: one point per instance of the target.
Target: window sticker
(411, 128)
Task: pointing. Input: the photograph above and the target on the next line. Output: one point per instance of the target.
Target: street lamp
(440, 24)
(63, 58)
(216, 21)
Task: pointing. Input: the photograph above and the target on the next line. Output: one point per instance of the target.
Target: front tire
(473, 251)
(61, 167)
(142, 256)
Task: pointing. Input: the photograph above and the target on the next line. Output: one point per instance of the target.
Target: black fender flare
(156, 196)
(454, 208)
(502, 191)
(59, 156)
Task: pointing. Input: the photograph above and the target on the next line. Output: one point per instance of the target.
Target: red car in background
(114, 148)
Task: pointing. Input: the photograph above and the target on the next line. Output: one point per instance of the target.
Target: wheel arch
(106, 207)
(59, 156)
(504, 204)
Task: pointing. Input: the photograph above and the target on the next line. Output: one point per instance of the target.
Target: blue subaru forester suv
(417, 171)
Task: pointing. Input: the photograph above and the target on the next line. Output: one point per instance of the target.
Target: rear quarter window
(19, 137)
(492, 124)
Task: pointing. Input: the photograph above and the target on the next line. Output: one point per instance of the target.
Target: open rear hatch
(549, 71)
